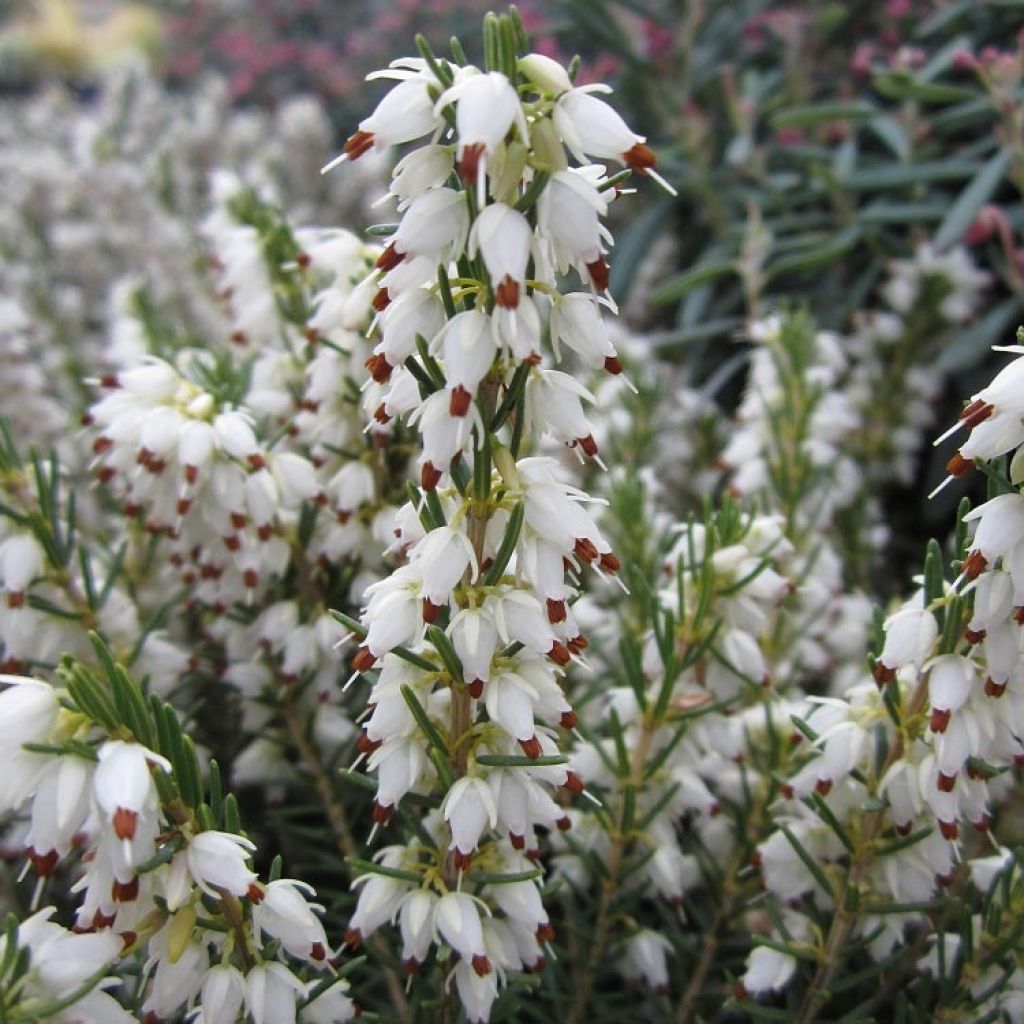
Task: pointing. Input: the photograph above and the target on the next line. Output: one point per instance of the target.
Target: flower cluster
(155, 872)
(472, 633)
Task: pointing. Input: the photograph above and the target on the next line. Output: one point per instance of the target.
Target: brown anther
(462, 860)
(588, 444)
(598, 271)
(612, 365)
(364, 660)
(16, 599)
(481, 965)
(563, 825)
(356, 145)
(977, 412)
(946, 783)
(353, 938)
(545, 932)
(44, 864)
(182, 506)
(531, 747)
(381, 813)
(950, 830)
(256, 461)
(640, 158)
(787, 791)
(238, 338)
(585, 549)
(573, 783)
(265, 531)
(104, 474)
(365, 745)
(101, 445)
(124, 822)
(994, 689)
(238, 520)
(556, 610)
(959, 466)
(518, 842)
(1018, 615)
(411, 966)
(389, 258)
(380, 414)
(317, 951)
(430, 476)
(125, 892)
(609, 562)
(476, 689)
(940, 719)
(254, 893)
(974, 564)
(459, 402)
(507, 293)
(469, 162)
(974, 636)
(559, 653)
(233, 543)
(577, 643)
(381, 300)
(568, 720)
(823, 786)
(982, 823)
(109, 380)
(250, 578)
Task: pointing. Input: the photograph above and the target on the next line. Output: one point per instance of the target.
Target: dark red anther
(531, 747)
(950, 830)
(44, 864)
(125, 892)
(946, 783)
(959, 466)
(977, 412)
(609, 562)
(459, 402)
(545, 932)
(356, 145)
(469, 162)
(598, 271)
(430, 610)
(568, 720)
(476, 689)
(974, 636)
(612, 365)
(389, 258)
(585, 549)
(481, 965)
(588, 444)
(382, 813)
(507, 293)
(254, 893)
(823, 786)
(462, 861)
(381, 300)
(364, 660)
(559, 653)
(430, 476)
(556, 610)
(994, 689)
(940, 719)
(974, 564)
(380, 369)
(640, 158)
(573, 783)
(250, 578)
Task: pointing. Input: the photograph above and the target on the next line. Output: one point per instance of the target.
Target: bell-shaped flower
(434, 225)
(910, 635)
(468, 347)
(59, 809)
(546, 73)
(475, 639)
(285, 913)
(416, 312)
(28, 714)
(576, 322)
(503, 236)
(646, 959)
(123, 785)
(555, 403)
(271, 991)
(468, 808)
(219, 860)
(950, 681)
(568, 216)
(222, 993)
(380, 896)
(416, 923)
(457, 921)
(442, 558)
(477, 992)
(768, 970)
(417, 172)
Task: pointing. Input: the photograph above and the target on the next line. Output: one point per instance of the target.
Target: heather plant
(396, 633)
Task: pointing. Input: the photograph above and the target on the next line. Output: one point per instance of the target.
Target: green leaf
(809, 862)
(507, 546)
(818, 113)
(817, 255)
(900, 175)
(423, 721)
(369, 867)
(676, 287)
(516, 761)
(970, 201)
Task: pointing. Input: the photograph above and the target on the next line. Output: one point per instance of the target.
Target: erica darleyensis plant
(494, 275)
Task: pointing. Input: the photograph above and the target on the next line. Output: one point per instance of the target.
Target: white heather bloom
(468, 349)
(486, 107)
(331, 1007)
(123, 786)
(60, 807)
(218, 860)
(645, 959)
(222, 994)
(768, 970)
(546, 73)
(576, 322)
(419, 171)
(271, 991)
(591, 128)
(457, 920)
(909, 637)
(441, 558)
(477, 992)
(503, 237)
(416, 921)
(469, 808)
(568, 217)
(28, 714)
(475, 639)
(434, 224)
(286, 914)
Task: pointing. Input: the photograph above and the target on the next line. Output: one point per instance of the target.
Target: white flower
(468, 808)
(546, 73)
(576, 322)
(416, 921)
(218, 860)
(270, 994)
(28, 714)
(457, 919)
(590, 127)
(477, 992)
(123, 786)
(286, 914)
(468, 347)
(768, 970)
(222, 993)
(503, 237)
(645, 959)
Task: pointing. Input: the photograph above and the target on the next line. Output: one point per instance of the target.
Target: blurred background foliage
(811, 143)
